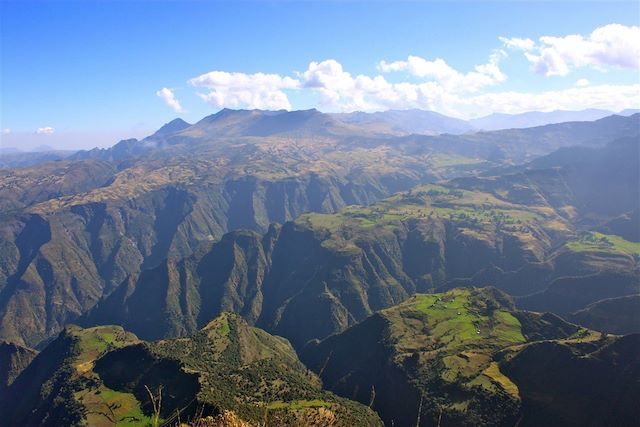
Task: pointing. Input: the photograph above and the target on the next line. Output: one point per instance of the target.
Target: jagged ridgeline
(73, 231)
(106, 376)
(469, 358)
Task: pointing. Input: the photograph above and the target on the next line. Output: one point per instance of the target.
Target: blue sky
(92, 72)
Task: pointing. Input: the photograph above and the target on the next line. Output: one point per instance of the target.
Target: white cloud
(614, 97)
(517, 43)
(169, 98)
(439, 71)
(341, 91)
(610, 46)
(47, 130)
(549, 62)
(239, 90)
(6, 131)
(433, 84)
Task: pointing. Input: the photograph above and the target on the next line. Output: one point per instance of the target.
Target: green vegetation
(598, 242)
(64, 387)
(231, 366)
(471, 209)
(103, 405)
(458, 318)
(447, 345)
(299, 404)
(109, 407)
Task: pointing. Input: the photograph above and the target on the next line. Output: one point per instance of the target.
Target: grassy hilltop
(457, 358)
(104, 376)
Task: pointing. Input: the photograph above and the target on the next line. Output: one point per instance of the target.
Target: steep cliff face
(330, 271)
(324, 271)
(178, 297)
(59, 260)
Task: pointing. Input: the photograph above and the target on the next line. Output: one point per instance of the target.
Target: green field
(598, 242)
(454, 320)
(472, 208)
(458, 332)
(107, 407)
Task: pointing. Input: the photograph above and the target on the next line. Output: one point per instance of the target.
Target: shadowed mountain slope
(458, 359)
(616, 315)
(13, 360)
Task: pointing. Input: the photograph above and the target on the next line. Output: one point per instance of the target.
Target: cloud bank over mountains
(433, 84)
(612, 45)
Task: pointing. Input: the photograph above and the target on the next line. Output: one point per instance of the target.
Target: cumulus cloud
(575, 98)
(239, 90)
(517, 43)
(169, 98)
(443, 90)
(47, 130)
(6, 131)
(339, 90)
(439, 71)
(610, 46)
(433, 84)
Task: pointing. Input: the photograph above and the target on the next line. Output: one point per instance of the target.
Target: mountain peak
(175, 125)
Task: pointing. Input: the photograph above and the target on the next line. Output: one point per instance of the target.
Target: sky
(83, 74)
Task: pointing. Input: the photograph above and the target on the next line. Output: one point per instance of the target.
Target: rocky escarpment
(63, 252)
(331, 271)
(325, 271)
(58, 261)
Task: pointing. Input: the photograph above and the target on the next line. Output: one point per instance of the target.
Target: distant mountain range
(261, 123)
(408, 122)
(538, 118)
(432, 123)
